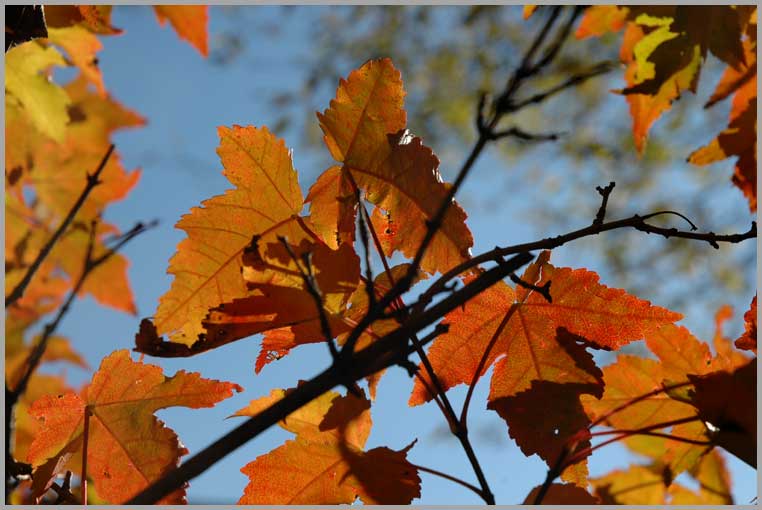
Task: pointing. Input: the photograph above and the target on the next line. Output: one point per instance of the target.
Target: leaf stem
(86, 440)
(457, 480)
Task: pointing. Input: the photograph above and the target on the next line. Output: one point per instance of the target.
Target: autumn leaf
(108, 283)
(327, 463)
(734, 419)
(638, 485)
(81, 45)
(529, 9)
(541, 353)
(207, 266)
(748, 341)
(96, 18)
(332, 207)
(43, 101)
(26, 427)
(189, 21)
(664, 48)
(600, 19)
(128, 446)
(608, 318)
(289, 306)
(740, 137)
(364, 130)
(60, 169)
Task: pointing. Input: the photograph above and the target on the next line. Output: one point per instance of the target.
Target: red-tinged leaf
(26, 427)
(332, 207)
(128, 447)
(562, 494)
(189, 21)
(601, 19)
(326, 463)
(608, 318)
(739, 139)
(734, 79)
(96, 18)
(639, 485)
(728, 357)
(364, 130)
(748, 341)
(207, 266)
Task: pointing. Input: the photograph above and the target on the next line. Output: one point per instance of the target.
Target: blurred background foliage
(449, 55)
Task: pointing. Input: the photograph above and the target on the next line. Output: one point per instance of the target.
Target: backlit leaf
(128, 446)
(44, 101)
(189, 21)
(748, 340)
(363, 129)
(207, 266)
(327, 463)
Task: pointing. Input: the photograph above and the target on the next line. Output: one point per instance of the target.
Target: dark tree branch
(380, 354)
(92, 182)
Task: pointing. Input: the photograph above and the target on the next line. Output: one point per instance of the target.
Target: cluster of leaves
(57, 144)
(249, 257)
(664, 47)
(252, 263)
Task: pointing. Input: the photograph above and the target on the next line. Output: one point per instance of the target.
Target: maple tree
(254, 262)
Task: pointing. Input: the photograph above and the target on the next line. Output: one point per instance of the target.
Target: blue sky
(185, 98)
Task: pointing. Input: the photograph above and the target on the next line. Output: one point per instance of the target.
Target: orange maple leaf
(364, 130)
(128, 446)
(538, 343)
(189, 21)
(326, 464)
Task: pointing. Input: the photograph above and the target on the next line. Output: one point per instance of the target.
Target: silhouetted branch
(380, 354)
(92, 181)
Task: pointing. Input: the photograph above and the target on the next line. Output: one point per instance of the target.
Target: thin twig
(92, 182)
(572, 81)
(314, 292)
(605, 192)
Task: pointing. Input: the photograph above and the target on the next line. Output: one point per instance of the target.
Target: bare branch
(92, 182)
